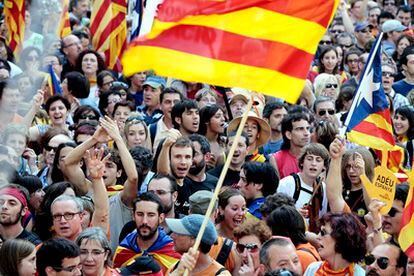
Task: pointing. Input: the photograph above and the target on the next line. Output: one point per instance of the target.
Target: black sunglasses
(49, 148)
(382, 262)
(323, 233)
(324, 111)
(88, 116)
(330, 85)
(251, 247)
(387, 74)
(393, 212)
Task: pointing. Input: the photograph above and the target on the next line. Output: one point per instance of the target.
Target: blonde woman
(326, 85)
(136, 132)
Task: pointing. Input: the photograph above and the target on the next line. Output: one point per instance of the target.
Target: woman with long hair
(17, 258)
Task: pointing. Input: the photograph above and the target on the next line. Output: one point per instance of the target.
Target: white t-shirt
(287, 186)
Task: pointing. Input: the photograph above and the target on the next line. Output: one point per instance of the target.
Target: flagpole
(366, 72)
(221, 179)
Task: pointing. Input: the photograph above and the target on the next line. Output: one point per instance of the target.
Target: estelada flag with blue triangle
(369, 121)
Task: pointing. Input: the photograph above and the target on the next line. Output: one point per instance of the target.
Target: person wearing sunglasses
(326, 85)
(324, 108)
(386, 260)
(363, 35)
(250, 236)
(58, 256)
(342, 242)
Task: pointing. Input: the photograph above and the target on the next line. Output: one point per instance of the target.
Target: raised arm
(131, 184)
(96, 167)
(72, 169)
(334, 177)
(163, 163)
(34, 108)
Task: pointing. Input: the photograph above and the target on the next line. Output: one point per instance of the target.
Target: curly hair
(100, 60)
(272, 202)
(349, 234)
(253, 227)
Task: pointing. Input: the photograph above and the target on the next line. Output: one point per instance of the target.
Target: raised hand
(110, 127)
(173, 135)
(95, 163)
(38, 99)
(337, 147)
(100, 135)
(248, 269)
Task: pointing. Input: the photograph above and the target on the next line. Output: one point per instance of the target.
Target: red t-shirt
(286, 163)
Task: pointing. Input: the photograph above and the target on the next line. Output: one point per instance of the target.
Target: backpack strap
(224, 251)
(297, 186)
(220, 271)
(310, 252)
(153, 131)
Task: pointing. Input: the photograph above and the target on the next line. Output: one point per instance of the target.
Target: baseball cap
(142, 265)
(190, 226)
(361, 25)
(154, 81)
(199, 202)
(393, 25)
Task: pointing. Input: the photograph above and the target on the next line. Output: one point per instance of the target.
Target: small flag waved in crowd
(53, 82)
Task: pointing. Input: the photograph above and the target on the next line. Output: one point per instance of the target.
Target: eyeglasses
(323, 233)
(69, 268)
(67, 216)
(88, 116)
(382, 262)
(324, 111)
(331, 85)
(325, 42)
(134, 119)
(94, 253)
(387, 74)
(251, 247)
(50, 148)
(107, 83)
(337, 31)
(393, 212)
(71, 44)
(159, 192)
(346, 46)
(352, 60)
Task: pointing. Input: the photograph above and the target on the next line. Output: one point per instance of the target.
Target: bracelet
(376, 231)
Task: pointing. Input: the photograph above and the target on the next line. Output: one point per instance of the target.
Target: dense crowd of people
(114, 175)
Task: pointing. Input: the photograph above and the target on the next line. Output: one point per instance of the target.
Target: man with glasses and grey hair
(67, 213)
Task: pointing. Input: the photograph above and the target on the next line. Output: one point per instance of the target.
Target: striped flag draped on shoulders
(261, 45)
(109, 30)
(14, 11)
(369, 121)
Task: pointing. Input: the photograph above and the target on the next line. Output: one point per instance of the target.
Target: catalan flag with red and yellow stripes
(64, 23)
(369, 121)
(406, 236)
(109, 30)
(261, 45)
(14, 11)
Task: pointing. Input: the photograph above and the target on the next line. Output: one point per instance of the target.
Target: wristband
(376, 231)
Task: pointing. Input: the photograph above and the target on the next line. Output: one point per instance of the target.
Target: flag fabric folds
(136, 16)
(254, 44)
(54, 84)
(64, 23)
(406, 236)
(369, 122)
(14, 11)
(109, 30)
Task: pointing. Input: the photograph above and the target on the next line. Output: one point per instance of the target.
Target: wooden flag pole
(221, 179)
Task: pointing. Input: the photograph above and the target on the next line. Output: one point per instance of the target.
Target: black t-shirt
(355, 201)
(190, 187)
(232, 177)
(28, 236)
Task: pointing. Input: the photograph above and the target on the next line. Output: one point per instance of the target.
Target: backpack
(224, 251)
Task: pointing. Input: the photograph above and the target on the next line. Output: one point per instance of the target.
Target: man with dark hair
(257, 181)
(279, 253)
(273, 113)
(185, 232)
(405, 85)
(296, 134)
(58, 256)
(197, 179)
(239, 158)
(185, 117)
(404, 15)
(148, 236)
(153, 86)
(385, 260)
(13, 208)
(9, 103)
(165, 187)
(159, 130)
(79, 9)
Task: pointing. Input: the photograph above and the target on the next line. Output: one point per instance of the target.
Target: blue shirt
(254, 207)
(402, 87)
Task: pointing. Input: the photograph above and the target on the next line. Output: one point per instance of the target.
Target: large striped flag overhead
(369, 122)
(64, 23)
(14, 11)
(109, 30)
(261, 45)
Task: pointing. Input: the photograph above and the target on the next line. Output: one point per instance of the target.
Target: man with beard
(386, 260)
(13, 208)
(197, 179)
(165, 187)
(185, 117)
(148, 237)
(273, 113)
